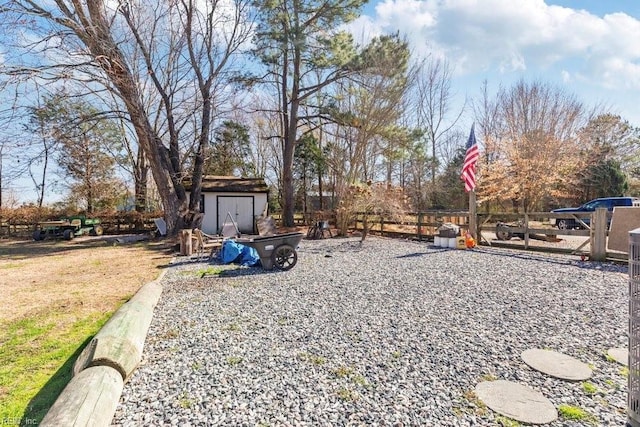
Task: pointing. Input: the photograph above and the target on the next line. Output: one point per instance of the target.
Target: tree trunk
(290, 135)
(163, 175)
(89, 203)
(320, 201)
(140, 189)
(198, 166)
(287, 184)
(365, 228)
(305, 208)
(140, 177)
(108, 54)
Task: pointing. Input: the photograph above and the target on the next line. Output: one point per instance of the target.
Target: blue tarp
(233, 252)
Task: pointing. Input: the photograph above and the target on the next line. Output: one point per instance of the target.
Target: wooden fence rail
(418, 225)
(531, 226)
(24, 229)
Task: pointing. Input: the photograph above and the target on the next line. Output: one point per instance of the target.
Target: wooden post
(419, 226)
(186, 246)
(473, 221)
(526, 231)
(599, 235)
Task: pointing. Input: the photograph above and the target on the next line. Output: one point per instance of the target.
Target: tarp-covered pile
(233, 252)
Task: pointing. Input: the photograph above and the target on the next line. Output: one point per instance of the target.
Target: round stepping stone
(620, 355)
(517, 402)
(556, 364)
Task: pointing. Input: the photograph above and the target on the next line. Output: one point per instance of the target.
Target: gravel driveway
(391, 333)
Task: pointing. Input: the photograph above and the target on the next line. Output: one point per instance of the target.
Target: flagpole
(473, 226)
(468, 175)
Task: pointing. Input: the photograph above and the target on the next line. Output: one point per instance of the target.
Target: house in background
(243, 198)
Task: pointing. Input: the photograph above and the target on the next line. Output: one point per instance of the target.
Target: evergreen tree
(229, 152)
(85, 143)
(608, 157)
(304, 50)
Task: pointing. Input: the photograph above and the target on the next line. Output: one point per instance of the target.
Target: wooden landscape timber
(120, 342)
(90, 399)
(105, 364)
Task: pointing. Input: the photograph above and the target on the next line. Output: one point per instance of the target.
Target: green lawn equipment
(68, 228)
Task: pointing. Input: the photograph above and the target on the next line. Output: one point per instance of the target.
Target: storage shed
(243, 199)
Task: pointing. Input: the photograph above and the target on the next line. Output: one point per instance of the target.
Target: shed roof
(231, 184)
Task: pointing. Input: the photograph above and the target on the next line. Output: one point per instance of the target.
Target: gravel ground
(391, 333)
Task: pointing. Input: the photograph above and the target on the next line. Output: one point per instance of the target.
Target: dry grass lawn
(54, 296)
(82, 276)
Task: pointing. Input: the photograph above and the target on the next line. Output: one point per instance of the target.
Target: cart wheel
(311, 232)
(67, 234)
(503, 235)
(39, 235)
(284, 257)
(96, 230)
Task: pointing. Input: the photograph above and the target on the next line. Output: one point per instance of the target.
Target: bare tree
(430, 109)
(365, 119)
(487, 117)
(266, 147)
(168, 78)
(43, 156)
(434, 99)
(369, 199)
(530, 144)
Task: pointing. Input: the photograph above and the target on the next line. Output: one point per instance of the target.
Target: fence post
(381, 225)
(526, 231)
(358, 221)
(420, 226)
(186, 247)
(599, 235)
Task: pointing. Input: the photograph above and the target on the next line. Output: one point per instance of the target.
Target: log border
(106, 363)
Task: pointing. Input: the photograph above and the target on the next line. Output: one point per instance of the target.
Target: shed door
(241, 209)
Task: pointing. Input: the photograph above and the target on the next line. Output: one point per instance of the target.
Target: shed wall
(243, 210)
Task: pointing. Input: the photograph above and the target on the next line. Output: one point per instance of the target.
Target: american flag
(470, 159)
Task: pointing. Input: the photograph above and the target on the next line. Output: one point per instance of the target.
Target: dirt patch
(86, 275)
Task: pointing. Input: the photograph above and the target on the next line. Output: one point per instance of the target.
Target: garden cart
(278, 250)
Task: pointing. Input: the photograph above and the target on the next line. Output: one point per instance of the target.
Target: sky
(591, 48)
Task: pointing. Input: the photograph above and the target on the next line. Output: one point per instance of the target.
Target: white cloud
(518, 35)
(364, 28)
(421, 12)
